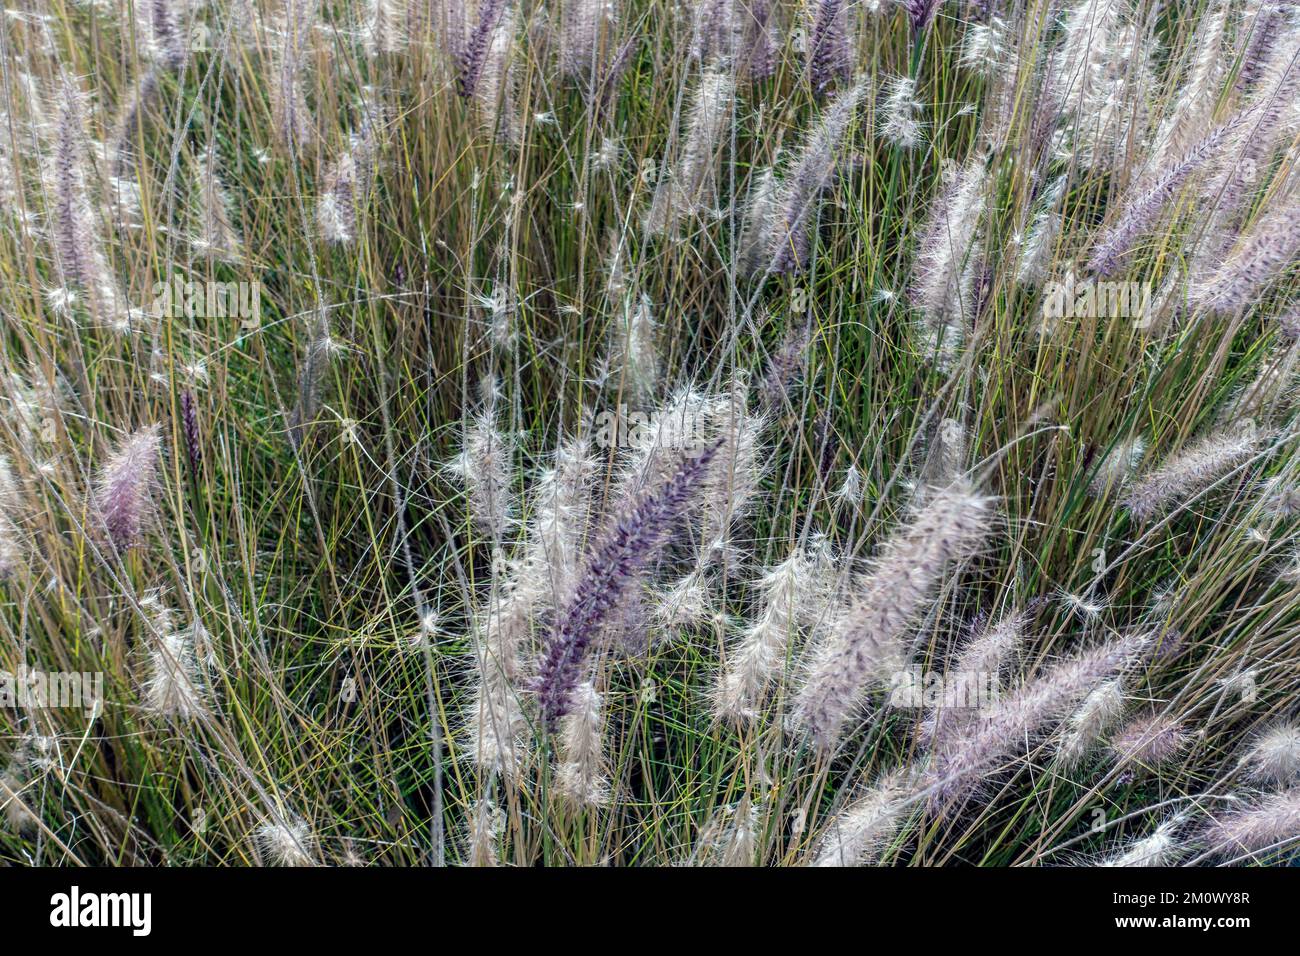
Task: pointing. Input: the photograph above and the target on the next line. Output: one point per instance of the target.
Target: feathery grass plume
(174, 688)
(789, 592)
(1161, 848)
(1038, 247)
(957, 768)
(163, 38)
(611, 569)
(1190, 470)
(809, 177)
(865, 643)
(450, 25)
(486, 821)
(731, 485)
(311, 377)
(680, 423)
(1100, 79)
(80, 259)
(688, 187)
(493, 91)
(983, 48)
(715, 31)
(1280, 498)
(758, 45)
(126, 486)
(128, 123)
(1267, 397)
(1140, 211)
(1262, 254)
(1288, 323)
(946, 451)
(486, 467)
(1247, 154)
(1271, 120)
(290, 843)
(759, 231)
(830, 56)
(1264, 23)
(385, 29)
(217, 237)
(471, 57)
(496, 720)
(586, 36)
(943, 284)
(784, 368)
(632, 364)
(1088, 38)
(1269, 824)
(983, 660)
(295, 124)
(1117, 466)
(580, 777)
(687, 602)
(856, 835)
(347, 182)
(1274, 757)
(561, 504)
(740, 845)
(1193, 112)
(1101, 710)
(11, 544)
(850, 489)
(607, 86)
(1149, 740)
(900, 121)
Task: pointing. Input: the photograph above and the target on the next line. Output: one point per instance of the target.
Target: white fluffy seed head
(485, 826)
(580, 778)
(1100, 711)
(1264, 826)
(485, 467)
(174, 688)
(900, 121)
(762, 651)
(1161, 848)
(1275, 755)
(857, 834)
(287, 844)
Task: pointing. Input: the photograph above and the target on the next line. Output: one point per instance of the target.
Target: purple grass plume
(611, 570)
(865, 644)
(830, 57)
(997, 734)
(125, 488)
(1189, 471)
(473, 55)
(190, 431)
(920, 13)
(1140, 212)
